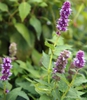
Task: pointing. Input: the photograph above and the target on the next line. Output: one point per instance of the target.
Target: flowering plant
(59, 76)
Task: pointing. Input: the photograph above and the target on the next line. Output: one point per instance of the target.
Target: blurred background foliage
(29, 22)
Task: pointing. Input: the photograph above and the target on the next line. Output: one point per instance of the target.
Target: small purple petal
(79, 60)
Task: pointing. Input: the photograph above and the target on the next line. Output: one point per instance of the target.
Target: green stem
(4, 90)
(50, 62)
(13, 14)
(49, 67)
(70, 85)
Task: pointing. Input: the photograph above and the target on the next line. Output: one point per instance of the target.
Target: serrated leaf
(24, 10)
(22, 29)
(3, 7)
(37, 25)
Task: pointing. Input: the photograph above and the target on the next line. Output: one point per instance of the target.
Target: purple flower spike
(79, 60)
(6, 66)
(65, 11)
(61, 62)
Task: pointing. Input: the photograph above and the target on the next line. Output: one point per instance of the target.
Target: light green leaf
(61, 48)
(43, 4)
(3, 7)
(16, 92)
(80, 80)
(36, 56)
(24, 10)
(33, 1)
(22, 94)
(22, 29)
(45, 97)
(73, 93)
(13, 94)
(37, 25)
(51, 46)
(45, 60)
(27, 86)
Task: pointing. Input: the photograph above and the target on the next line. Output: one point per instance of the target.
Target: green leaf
(45, 60)
(61, 48)
(56, 94)
(43, 4)
(57, 39)
(37, 25)
(24, 10)
(51, 46)
(45, 97)
(34, 1)
(46, 31)
(22, 29)
(8, 85)
(16, 69)
(13, 94)
(22, 94)
(3, 7)
(73, 93)
(80, 80)
(62, 86)
(36, 56)
(41, 89)
(23, 49)
(16, 92)
(27, 86)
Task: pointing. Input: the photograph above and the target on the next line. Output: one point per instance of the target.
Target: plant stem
(70, 85)
(49, 67)
(4, 90)
(50, 62)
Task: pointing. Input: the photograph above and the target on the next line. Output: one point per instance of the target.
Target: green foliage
(24, 10)
(31, 24)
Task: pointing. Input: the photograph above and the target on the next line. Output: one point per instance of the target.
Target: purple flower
(6, 66)
(79, 60)
(6, 91)
(62, 22)
(61, 62)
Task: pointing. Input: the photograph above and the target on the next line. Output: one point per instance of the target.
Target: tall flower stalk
(62, 22)
(61, 25)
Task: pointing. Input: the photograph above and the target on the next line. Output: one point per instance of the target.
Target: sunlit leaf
(24, 10)
(3, 7)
